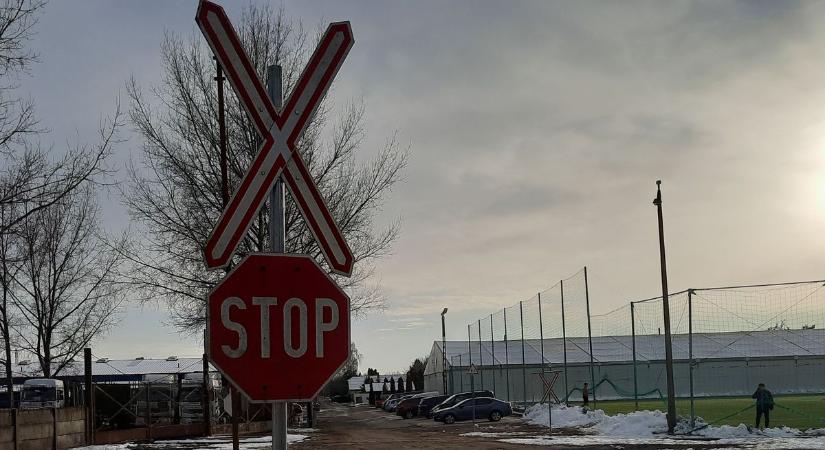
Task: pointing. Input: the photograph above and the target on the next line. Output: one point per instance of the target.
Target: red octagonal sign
(278, 327)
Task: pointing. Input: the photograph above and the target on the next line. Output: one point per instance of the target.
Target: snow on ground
(649, 427)
(210, 443)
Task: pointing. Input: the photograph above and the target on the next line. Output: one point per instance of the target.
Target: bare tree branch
(174, 189)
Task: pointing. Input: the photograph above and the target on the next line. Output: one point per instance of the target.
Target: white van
(42, 393)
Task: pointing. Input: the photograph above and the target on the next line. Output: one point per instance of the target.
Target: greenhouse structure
(624, 367)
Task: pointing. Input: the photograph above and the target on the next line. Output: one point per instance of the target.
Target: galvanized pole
(523, 360)
(589, 335)
(633, 342)
(460, 375)
(564, 344)
(690, 356)
(470, 354)
(277, 238)
(480, 356)
(541, 337)
(506, 357)
(234, 397)
(541, 332)
(671, 391)
(493, 352)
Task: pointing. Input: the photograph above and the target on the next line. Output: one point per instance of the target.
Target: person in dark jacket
(585, 396)
(764, 404)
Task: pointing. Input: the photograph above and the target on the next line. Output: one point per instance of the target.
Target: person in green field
(764, 404)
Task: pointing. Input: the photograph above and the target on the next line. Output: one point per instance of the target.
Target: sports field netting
(725, 341)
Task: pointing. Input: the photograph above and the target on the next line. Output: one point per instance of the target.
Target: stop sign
(278, 327)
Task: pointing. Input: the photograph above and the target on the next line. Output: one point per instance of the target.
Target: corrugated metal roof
(615, 349)
(120, 367)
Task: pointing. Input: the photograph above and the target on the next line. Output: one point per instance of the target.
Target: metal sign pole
(277, 238)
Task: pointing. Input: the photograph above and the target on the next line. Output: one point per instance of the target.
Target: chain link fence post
(523, 360)
(480, 356)
(690, 356)
(493, 352)
(564, 344)
(633, 343)
(506, 356)
(589, 336)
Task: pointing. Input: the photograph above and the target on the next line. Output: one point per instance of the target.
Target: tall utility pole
(277, 244)
(671, 391)
(443, 351)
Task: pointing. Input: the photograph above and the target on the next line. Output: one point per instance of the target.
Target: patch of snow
(105, 447)
(493, 435)
(648, 427)
(211, 443)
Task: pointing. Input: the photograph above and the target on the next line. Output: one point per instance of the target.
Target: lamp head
(444, 312)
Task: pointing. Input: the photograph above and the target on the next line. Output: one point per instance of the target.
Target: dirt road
(365, 427)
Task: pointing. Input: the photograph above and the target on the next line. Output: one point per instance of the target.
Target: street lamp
(444, 352)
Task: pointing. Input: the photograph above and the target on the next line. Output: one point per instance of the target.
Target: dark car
(408, 408)
(428, 403)
(456, 398)
(391, 404)
(480, 407)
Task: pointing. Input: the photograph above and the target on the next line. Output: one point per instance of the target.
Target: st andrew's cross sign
(280, 132)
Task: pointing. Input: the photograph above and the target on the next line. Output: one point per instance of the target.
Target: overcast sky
(537, 131)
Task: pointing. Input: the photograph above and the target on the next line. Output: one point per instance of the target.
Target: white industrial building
(788, 361)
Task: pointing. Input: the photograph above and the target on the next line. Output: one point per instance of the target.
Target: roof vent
(25, 362)
(172, 358)
(139, 358)
(103, 360)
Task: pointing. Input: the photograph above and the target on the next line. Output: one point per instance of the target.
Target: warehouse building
(724, 364)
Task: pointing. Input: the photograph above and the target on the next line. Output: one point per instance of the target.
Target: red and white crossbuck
(280, 131)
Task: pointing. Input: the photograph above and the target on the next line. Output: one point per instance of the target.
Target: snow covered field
(211, 443)
(648, 427)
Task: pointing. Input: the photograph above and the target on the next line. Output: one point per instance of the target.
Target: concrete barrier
(38, 429)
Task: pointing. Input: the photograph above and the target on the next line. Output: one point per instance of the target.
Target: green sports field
(796, 411)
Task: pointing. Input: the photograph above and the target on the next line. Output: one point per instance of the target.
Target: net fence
(725, 341)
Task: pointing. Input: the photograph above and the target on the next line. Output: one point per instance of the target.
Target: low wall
(38, 429)
(153, 432)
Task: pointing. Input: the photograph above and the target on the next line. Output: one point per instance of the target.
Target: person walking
(585, 397)
(764, 404)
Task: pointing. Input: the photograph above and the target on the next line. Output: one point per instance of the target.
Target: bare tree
(31, 175)
(68, 286)
(174, 191)
(34, 180)
(17, 20)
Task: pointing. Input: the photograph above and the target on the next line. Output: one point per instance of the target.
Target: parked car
(456, 398)
(390, 405)
(381, 401)
(480, 407)
(428, 403)
(408, 408)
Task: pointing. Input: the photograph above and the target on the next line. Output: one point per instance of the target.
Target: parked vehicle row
(478, 405)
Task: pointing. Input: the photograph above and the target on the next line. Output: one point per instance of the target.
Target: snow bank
(644, 424)
(635, 424)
